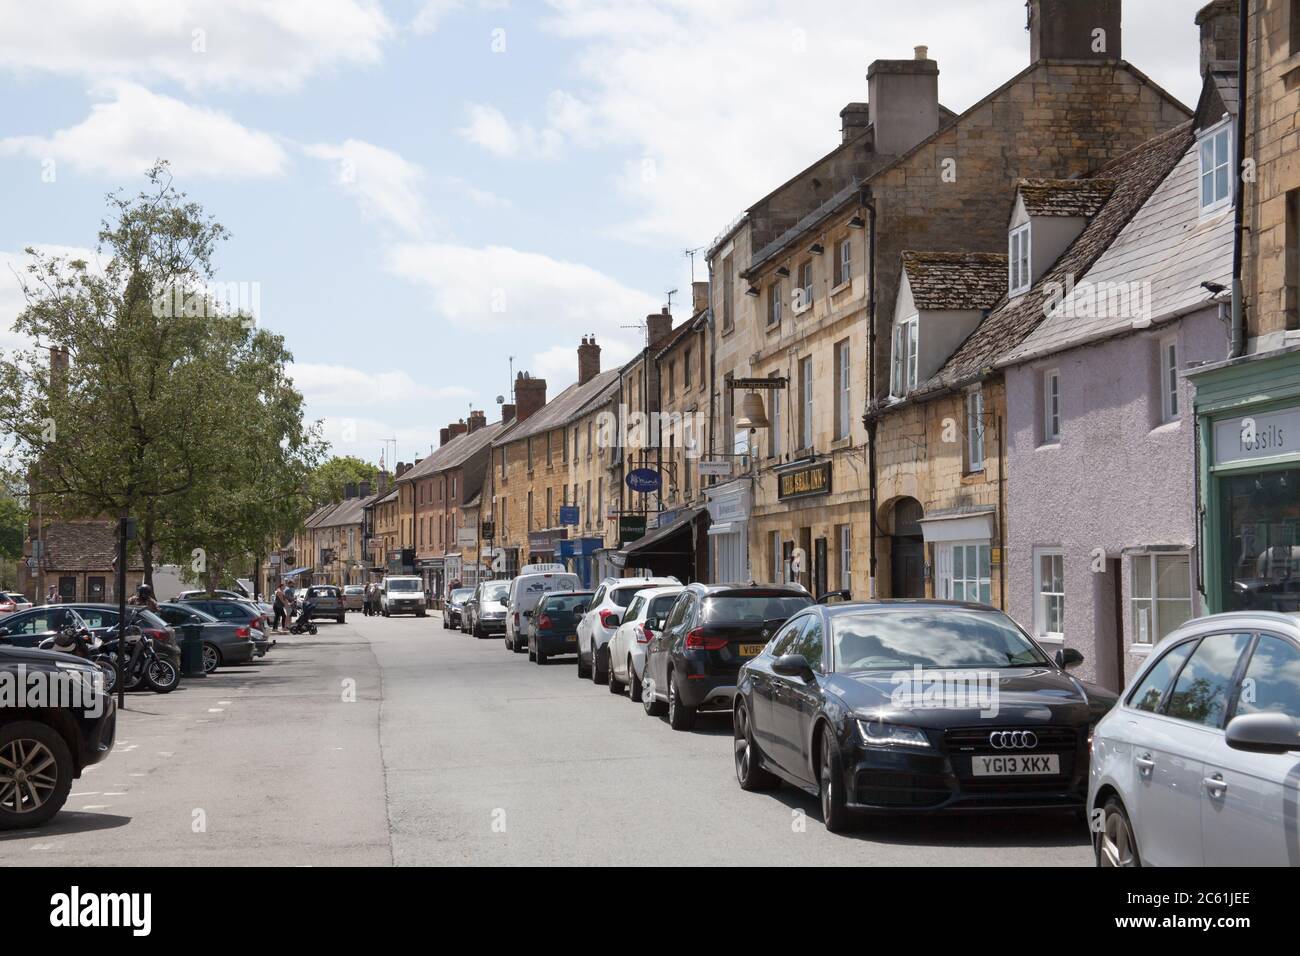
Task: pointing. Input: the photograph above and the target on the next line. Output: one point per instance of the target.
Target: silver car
(1199, 762)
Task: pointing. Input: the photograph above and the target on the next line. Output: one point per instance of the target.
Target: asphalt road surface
(394, 741)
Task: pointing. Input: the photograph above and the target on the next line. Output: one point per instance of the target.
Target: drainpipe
(1237, 347)
(869, 202)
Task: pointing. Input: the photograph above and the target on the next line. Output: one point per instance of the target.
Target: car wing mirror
(793, 665)
(1068, 657)
(580, 609)
(614, 620)
(1265, 733)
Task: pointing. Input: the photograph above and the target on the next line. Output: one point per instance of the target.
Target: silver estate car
(1199, 762)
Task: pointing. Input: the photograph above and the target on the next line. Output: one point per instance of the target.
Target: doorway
(907, 551)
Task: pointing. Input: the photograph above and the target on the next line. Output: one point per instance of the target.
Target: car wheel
(749, 774)
(680, 717)
(339, 619)
(519, 648)
(532, 654)
(652, 706)
(636, 688)
(835, 815)
(599, 674)
(211, 658)
(539, 657)
(1115, 845)
(615, 685)
(162, 676)
(584, 671)
(35, 774)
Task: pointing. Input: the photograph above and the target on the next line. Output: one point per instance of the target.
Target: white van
(402, 594)
(526, 591)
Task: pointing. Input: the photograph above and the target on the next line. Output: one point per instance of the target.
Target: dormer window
(906, 335)
(1216, 166)
(1019, 277)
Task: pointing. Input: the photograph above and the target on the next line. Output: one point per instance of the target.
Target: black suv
(43, 749)
(711, 631)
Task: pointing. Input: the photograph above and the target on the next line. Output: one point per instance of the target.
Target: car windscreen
(407, 585)
(461, 594)
(564, 602)
(353, 589)
(755, 608)
(497, 593)
(660, 606)
(323, 592)
(930, 637)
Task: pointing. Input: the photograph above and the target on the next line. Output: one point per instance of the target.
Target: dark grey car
(224, 642)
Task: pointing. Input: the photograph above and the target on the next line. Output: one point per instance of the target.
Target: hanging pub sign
(630, 528)
(488, 530)
(643, 480)
(804, 482)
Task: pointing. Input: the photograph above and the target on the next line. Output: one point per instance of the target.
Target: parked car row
(919, 707)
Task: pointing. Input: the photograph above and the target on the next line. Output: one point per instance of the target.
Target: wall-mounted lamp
(817, 248)
(752, 290)
(783, 272)
(857, 222)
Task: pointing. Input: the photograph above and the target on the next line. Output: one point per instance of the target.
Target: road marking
(95, 806)
(115, 793)
(88, 793)
(216, 710)
(166, 753)
(224, 703)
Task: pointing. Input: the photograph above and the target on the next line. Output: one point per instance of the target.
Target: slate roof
(316, 517)
(1065, 197)
(1136, 175)
(560, 410)
(1166, 247)
(348, 511)
(956, 280)
(455, 453)
(84, 546)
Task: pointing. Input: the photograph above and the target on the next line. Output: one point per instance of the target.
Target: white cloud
(497, 286)
(134, 127)
(432, 13)
(559, 363)
(368, 438)
(387, 186)
(489, 129)
(244, 44)
(340, 387)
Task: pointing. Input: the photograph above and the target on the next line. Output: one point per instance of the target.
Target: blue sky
(423, 189)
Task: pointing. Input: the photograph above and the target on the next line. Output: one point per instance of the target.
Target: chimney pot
(508, 412)
(477, 420)
(530, 395)
(588, 360)
(658, 325)
(921, 53)
(1220, 33)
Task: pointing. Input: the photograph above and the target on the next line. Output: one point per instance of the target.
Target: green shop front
(1248, 428)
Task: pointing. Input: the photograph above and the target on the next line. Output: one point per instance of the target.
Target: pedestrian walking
(278, 605)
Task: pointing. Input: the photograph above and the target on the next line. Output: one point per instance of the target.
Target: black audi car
(915, 706)
(694, 662)
(43, 749)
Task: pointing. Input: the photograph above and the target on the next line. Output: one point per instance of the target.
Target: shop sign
(1261, 435)
(804, 482)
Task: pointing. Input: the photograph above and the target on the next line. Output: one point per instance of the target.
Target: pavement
(393, 741)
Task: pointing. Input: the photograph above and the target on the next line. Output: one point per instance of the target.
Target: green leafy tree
(13, 528)
(329, 480)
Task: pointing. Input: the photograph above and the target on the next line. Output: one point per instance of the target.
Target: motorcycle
(78, 640)
(143, 664)
(302, 624)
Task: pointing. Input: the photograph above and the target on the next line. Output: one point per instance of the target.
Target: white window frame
(906, 349)
(843, 262)
(1217, 137)
(843, 372)
(778, 396)
(773, 304)
(778, 559)
(806, 286)
(1169, 398)
(1051, 406)
(975, 430)
(1041, 597)
(1153, 601)
(846, 557)
(978, 581)
(806, 402)
(1019, 260)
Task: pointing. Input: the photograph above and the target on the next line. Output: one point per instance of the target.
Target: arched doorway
(907, 550)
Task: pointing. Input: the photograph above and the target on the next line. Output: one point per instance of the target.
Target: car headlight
(877, 733)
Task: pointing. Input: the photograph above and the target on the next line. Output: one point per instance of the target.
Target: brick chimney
(1220, 34)
(1068, 30)
(402, 468)
(588, 360)
(903, 101)
(444, 436)
(456, 429)
(508, 412)
(699, 296)
(363, 490)
(530, 395)
(854, 118)
(383, 483)
(58, 368)
(477, 420)
(658, 325)
(349, 491)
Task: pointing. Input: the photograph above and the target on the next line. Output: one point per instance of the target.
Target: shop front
(544, 545)
(579, 556)
(430, 571)
(1248, 413)
(674, 547)
(729, 506)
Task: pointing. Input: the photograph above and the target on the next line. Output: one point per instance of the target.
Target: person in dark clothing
(278, 605)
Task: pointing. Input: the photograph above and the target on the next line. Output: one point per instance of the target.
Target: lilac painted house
(1102, 551)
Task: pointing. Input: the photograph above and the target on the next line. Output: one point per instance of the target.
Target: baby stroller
(303, 623)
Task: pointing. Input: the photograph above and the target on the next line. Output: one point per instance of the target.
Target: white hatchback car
(603, 616)
(1199, 762)
(645, 616)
